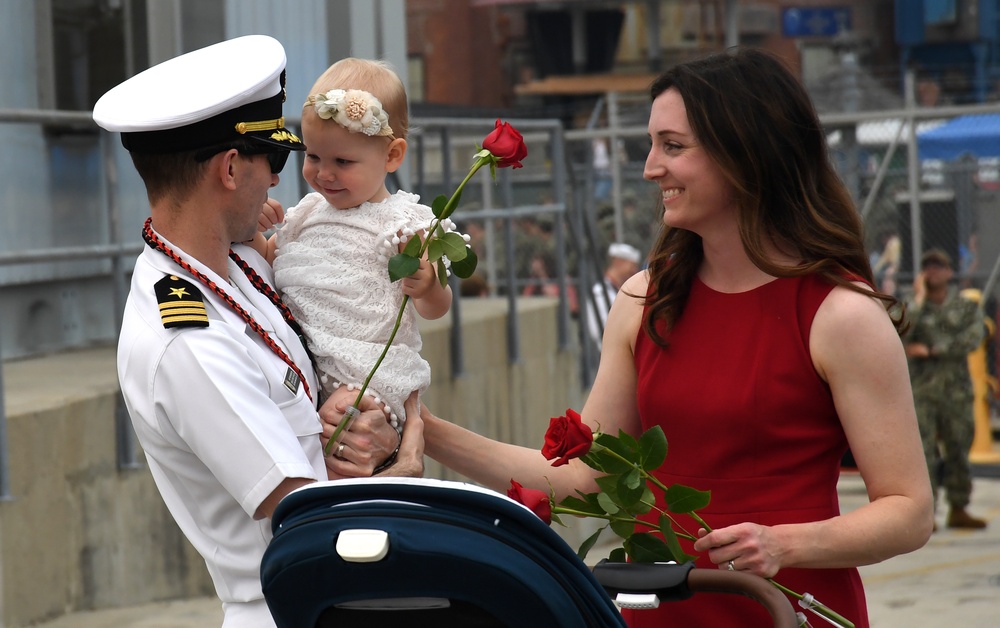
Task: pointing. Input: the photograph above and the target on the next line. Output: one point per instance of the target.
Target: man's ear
(223, 167)
(395, 154)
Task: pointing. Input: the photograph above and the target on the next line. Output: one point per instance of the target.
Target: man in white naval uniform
(218, 384)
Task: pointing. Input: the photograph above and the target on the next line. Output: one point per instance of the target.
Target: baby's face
(347, 168)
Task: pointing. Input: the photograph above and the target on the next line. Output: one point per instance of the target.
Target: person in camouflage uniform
(944, 328)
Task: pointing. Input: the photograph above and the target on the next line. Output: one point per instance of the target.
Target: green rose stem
(483, 157)
(660, 485)
(815, 605)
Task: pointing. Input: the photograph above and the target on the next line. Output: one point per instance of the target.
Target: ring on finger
(340, 451)
(732, 565)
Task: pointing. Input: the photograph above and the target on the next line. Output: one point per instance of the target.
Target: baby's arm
(430, 298)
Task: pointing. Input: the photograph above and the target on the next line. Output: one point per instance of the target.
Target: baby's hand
(421, 283)
(271, 214)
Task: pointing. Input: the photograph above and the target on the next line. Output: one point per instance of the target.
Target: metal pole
(558, 161)
(4, 449)
(913, 173)
(616, 167)
(128, 456)
(883, 169)
(513, 330)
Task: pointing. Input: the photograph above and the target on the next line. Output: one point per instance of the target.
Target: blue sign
(815, 22)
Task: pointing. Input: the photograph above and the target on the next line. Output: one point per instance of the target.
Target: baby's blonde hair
(376, 77)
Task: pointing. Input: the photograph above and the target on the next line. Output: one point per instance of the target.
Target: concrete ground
(954, 580)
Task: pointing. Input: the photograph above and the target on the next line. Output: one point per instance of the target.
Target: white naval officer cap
(226, 92)
(624, 251)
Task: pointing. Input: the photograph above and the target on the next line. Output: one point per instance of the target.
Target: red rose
(536, 501)
(567, 438)
(506, 144)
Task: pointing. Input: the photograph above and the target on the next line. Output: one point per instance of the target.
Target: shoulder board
(181, 303)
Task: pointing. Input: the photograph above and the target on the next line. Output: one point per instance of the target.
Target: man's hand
(367, 442)
(919, 289)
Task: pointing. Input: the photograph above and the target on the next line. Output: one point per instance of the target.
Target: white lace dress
(331, 271)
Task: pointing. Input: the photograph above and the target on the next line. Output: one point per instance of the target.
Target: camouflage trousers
(947, 428)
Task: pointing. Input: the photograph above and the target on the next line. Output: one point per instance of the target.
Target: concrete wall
(79, 533)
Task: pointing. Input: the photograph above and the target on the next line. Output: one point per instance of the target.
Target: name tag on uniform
(291, 380)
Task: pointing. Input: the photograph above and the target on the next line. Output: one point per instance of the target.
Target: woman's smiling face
(694, 190)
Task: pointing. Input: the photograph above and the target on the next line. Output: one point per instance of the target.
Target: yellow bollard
(982, 451)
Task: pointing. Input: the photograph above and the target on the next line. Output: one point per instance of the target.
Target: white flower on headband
(354, 109)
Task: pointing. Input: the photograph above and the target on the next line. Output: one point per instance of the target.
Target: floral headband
(354, 109)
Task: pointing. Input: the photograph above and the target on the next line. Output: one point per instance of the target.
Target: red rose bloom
(506, 144)
(536, 501)
(567, 438)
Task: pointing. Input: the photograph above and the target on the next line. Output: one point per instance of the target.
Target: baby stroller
(421, 552)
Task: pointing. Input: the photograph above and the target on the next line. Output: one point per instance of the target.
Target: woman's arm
(610, 405)
(857, 351)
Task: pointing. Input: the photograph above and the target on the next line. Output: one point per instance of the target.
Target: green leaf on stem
(628, 495)
(464, 267)
(631, 444)
(633, 478)
(684, 499)
(672, 542)
(612, 456)
(449, 207)
(646, 548)
(652, 448)
(442, 273)
(453, 246)
(437, 207)
(434, 250)
(588, 544)
(402, 265)
(608, 485)
(645, 503)
(608, 504)
(588, 506)
(624, 528)
(412, 247)
(617, 555)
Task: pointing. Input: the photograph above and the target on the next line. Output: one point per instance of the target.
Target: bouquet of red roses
(627, 486)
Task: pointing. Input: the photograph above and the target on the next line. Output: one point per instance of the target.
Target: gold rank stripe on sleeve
(181, 303)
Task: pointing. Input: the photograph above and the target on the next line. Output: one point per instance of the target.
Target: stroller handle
(755, 587)
(670, 581)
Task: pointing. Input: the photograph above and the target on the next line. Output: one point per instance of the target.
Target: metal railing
(560, 168)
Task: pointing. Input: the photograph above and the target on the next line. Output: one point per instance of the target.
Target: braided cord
(155, 243)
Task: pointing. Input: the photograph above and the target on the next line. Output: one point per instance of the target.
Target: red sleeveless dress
(747, 417)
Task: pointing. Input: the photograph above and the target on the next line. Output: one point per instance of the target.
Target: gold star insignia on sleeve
(181, 303)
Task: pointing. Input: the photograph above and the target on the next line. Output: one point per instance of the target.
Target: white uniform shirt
(219, 428)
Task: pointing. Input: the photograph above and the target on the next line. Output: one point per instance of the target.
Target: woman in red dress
(756, 341)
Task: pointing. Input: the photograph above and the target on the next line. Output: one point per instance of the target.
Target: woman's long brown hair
(756, 122)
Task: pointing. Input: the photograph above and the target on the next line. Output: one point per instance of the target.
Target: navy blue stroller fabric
(457, 555)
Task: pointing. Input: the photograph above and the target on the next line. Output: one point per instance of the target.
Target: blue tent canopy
(978, 136)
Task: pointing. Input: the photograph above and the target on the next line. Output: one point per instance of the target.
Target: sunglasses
(276, 157)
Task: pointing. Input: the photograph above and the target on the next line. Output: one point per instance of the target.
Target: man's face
(937, 274)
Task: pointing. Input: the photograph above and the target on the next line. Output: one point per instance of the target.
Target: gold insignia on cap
(260, 125)
(181, 303)
(285, 136)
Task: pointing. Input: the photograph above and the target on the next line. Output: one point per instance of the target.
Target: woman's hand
(410, 458)
(743, 547)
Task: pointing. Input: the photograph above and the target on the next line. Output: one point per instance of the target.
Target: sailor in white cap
(218, 383)
(623, 262)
